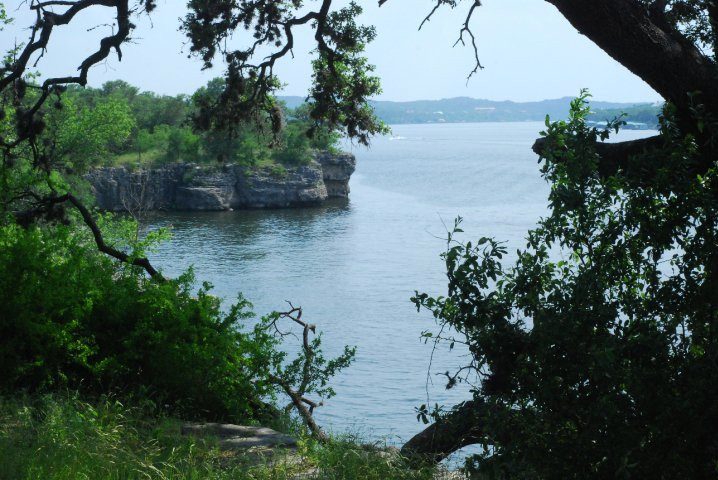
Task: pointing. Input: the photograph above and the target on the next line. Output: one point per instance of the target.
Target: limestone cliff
(186, 186)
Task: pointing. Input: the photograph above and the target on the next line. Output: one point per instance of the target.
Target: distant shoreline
(628, 126)
(471, 110)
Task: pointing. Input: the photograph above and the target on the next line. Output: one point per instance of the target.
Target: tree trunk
(457, 430)
(643, 42)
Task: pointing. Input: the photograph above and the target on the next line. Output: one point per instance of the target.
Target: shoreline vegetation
(119, 125)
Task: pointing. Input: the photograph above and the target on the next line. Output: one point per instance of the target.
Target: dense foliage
(150, 129)
(595, 354)
(72, 318)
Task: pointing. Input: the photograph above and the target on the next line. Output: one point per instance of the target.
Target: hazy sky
(529, 51)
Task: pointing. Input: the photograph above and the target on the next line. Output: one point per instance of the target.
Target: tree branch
(662, 57)
(45, 23)
(613, 156)
(298, 401)
(107, 249)
(44, 208)
(454, 431)
(465, 29)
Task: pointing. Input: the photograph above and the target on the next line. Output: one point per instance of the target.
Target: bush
(72, 317)
(278, 171)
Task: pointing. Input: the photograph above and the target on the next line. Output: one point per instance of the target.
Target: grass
(131, 159)
(156, 157)
(65, 438)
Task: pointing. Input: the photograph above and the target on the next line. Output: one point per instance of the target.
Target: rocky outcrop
(192, 187)
(337, 168)
(240, 437)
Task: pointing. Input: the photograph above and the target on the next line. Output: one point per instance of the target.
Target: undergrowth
(55, 437)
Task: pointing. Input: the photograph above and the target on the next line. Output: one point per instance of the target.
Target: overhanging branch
(613, 156)
(45, 205)
(671, 64)
(107, 249)
(456, 430)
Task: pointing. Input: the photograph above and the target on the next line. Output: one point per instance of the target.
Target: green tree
(85, 136)
(601, 364)
(182, 144)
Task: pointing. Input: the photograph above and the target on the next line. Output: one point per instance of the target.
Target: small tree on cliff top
(600, 365)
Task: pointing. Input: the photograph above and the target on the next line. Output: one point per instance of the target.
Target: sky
(529, 51)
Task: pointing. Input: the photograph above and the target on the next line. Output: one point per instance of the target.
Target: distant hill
(465, 109)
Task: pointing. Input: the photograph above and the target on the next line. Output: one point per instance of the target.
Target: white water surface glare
(353, 265)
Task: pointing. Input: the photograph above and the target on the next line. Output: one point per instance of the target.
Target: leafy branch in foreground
(597, 351)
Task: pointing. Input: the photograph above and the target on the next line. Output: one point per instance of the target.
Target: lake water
(353, 265)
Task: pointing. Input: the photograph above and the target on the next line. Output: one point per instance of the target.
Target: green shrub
(73, 318)
(278, 171)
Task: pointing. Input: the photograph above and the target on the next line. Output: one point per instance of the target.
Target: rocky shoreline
(187, 186)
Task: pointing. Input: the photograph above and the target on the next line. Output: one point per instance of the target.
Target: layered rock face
(337, 168)
(191, 187)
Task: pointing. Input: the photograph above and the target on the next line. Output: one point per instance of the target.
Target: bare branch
(465, 29)
(298, 402)
(45, 23)
(428, 17)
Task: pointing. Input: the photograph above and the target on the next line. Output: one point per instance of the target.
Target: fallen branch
(298, 402)
(309, 371)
